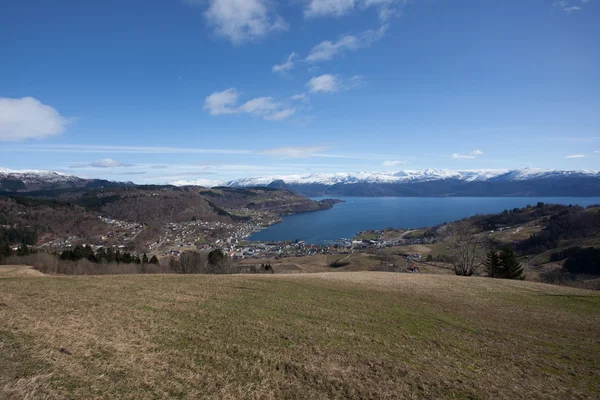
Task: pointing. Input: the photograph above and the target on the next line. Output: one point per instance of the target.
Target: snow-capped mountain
(200, 182)
(37, 175)
(406, 176)
(33, 179)
(429, 182)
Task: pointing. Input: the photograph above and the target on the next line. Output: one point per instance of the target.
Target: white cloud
(116, 149)
(221, 103)
(325, 83)
(469, 156)
(279, 115)
(320, 8)
(303, 97)
(295, 152)
(242, 20)
(386, 13)
(289, 64)
(462, 156)
(259, 106)
(338, 8)
(567, 6)
(597, 151)
(355, 81)
(28, 118)
(95, 148)
(392, 163)
(327, 49)
(576, 156)
(104, 163)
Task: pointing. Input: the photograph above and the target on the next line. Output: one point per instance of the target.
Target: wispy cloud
(314, 151)
(27, 118)
(324, 84)
(338, 8)
(287, 65)
(294, 152)
(576, 156)
(393, 163)
(303, 97)
(463, 156)
(280, 115)
(327, 49)
(225, 102)
(98, 149)
(242, 21)
(104, 163)
(132, 173)
(570, 6)
(219, 103)
(469, 156)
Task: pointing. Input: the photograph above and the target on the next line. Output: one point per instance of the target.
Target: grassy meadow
(329, 335)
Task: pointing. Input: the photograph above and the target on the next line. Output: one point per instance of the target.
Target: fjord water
(361, 213)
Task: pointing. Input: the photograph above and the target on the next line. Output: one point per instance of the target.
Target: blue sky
(154, 91)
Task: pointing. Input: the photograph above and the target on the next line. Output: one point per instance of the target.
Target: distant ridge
(404, 176)
(432, 182)
(429, 182)
(33, 179)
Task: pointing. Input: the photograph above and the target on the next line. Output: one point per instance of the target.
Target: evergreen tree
(101, 254)
(110, 255)
(510, 268)
(23, 250)
(492, 264)
(78, 253)
(154, 260)
(66, 255)
(145, 259)
(5, 250)
(126, 258)
(215, 257)
(89, 254)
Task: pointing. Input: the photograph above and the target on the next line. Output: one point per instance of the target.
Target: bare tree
(466, 247)
(191, 262)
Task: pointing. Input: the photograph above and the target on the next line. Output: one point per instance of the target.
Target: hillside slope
(142, 215)
(330, 335)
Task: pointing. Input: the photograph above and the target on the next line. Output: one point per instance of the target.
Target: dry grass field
(16, 271)
(300, 336)
(318, 263)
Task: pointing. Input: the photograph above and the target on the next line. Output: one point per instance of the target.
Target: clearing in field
(329, 335)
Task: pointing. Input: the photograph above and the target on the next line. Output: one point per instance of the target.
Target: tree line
(107, 255)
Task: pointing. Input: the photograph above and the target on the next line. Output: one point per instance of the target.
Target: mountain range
(429, 182)
(432, 182)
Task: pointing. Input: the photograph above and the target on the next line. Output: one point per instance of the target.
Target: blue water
(362, 213)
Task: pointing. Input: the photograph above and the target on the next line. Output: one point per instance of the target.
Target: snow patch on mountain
(408, 176)
(37, 175)
(198, 182)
